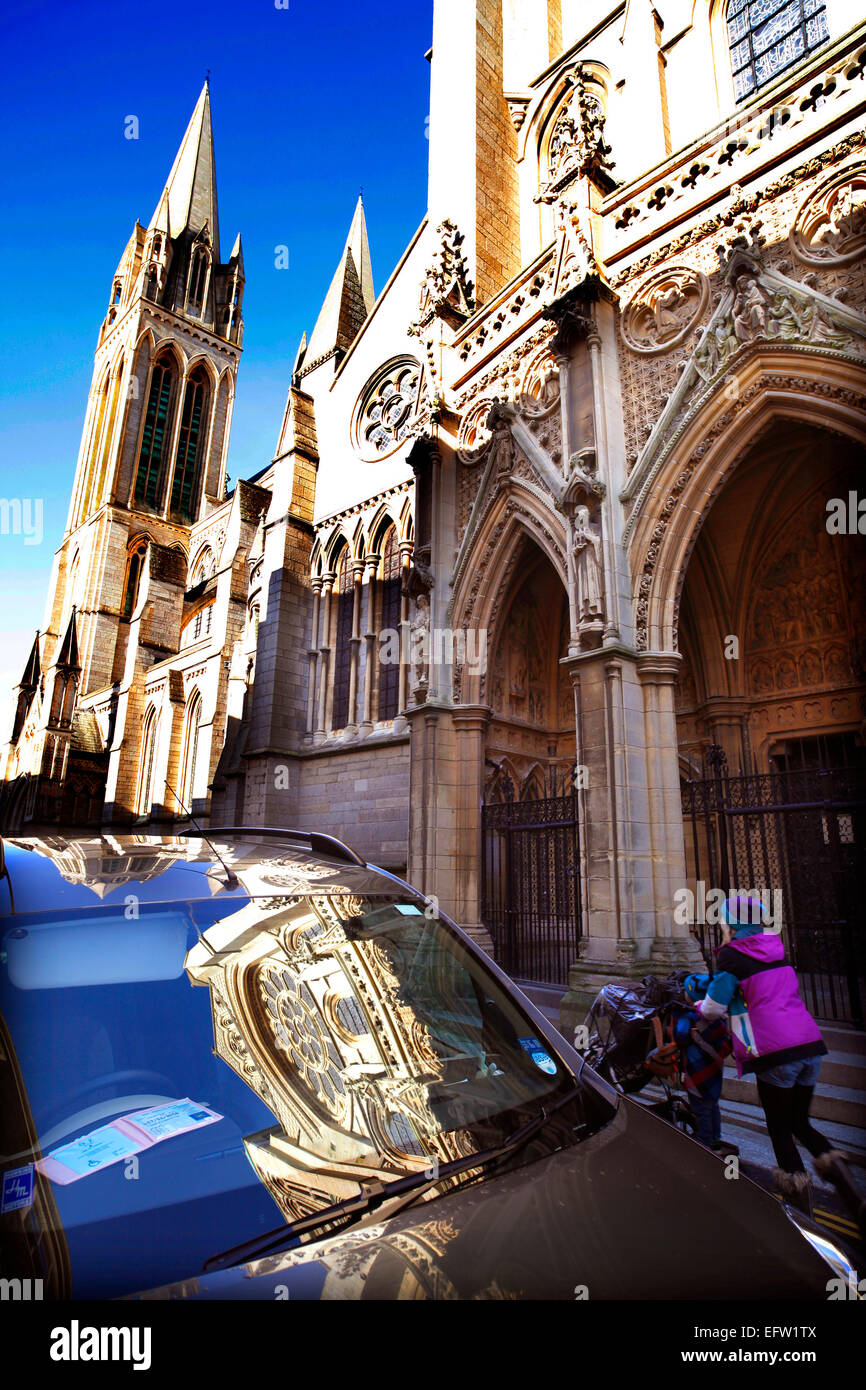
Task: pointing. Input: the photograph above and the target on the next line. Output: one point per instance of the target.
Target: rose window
(299, 1032)
(386, 409)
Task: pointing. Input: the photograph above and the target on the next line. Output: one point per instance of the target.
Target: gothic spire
(68, 654)
(190, 192)
(350, 299)
(33, 669)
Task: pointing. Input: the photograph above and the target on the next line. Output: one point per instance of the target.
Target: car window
(185, 1076)
(101, 1021)
(381, 1038)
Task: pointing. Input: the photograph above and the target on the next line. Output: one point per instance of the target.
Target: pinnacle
(350, 298)
(189, 198)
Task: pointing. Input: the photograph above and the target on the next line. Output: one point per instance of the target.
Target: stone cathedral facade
(554, 510)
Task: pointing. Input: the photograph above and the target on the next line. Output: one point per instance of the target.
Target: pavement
(838, 1111)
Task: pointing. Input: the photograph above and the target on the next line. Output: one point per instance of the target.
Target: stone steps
(841, 1104)
(737, 1116)
(847, 1040)
(840, 1096)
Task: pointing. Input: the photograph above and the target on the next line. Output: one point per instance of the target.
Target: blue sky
(309, 104)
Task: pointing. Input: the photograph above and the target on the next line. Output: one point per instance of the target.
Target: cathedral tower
(152, 461)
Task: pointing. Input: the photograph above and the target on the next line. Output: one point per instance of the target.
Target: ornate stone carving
(588, 577)
(517, 106)
(572, 314)
(446, 291)
(758, 305)
(582, 480)
(575, 263)
(665, 309)
(769, 193)
(474, 434)
(296, 1026)
(502, 315)
(577, 145)
(771, 309)
(771, 381)
(501, 448)
(419, 648)
(505, 377)
(830, 228)
(538, 403)
(805, 613)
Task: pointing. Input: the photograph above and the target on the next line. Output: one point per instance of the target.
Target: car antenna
(232, 880)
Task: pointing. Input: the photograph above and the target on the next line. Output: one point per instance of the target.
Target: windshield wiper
(351, 1209)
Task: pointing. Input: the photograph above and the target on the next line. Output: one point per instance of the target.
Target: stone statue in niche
(718, 344)
(750, 309)
(588, 576)
(419, 647)
(518, 678)
(501, 446)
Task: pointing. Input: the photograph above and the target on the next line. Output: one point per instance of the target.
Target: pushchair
(631, 1042)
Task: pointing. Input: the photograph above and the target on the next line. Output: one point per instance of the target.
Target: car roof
(58, 872)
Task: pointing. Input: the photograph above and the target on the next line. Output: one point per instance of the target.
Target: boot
(725, 1148)
(833, 1166)
(794, 1188)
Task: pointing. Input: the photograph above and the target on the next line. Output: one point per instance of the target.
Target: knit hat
(740, 911)
(695, 987)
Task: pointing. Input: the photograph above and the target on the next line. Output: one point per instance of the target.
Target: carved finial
(446, 291)
(577, 145)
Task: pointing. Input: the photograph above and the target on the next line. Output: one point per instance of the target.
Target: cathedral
(551, 597)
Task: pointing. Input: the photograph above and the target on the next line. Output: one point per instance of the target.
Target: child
(706, 1045)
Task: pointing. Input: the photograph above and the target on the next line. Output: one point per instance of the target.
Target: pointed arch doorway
(769, 706)
(530, 881)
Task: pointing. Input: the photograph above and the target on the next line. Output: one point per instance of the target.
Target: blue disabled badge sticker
(542, 1059)
(17, 1192)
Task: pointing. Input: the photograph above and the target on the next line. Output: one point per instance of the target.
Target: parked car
(253, 1066)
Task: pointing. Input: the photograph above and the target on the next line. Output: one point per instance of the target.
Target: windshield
(186, 1079)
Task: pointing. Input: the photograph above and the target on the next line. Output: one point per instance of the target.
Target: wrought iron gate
(801, 833)
(530, 885)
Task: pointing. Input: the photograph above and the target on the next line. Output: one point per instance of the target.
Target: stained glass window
(146, 778)
(191, 751)
(182, 499)
(342, 644)
(392, 583)
(768, 36)
(156, 422)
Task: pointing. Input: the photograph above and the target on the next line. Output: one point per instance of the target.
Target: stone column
(445, 794)
(355, 647)
(313, 660)
(632, 849)
(369, 636)
(400, 724)
(611, 593)
(470, 730)
(674, 947)
(324, 658)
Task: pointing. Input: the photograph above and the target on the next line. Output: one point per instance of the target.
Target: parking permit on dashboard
(131, 1134)
(542, 1059)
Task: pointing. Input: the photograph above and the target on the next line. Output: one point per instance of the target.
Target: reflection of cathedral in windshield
(374, 1036)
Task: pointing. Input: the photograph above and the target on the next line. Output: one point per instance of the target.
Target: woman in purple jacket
(775, 1037)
